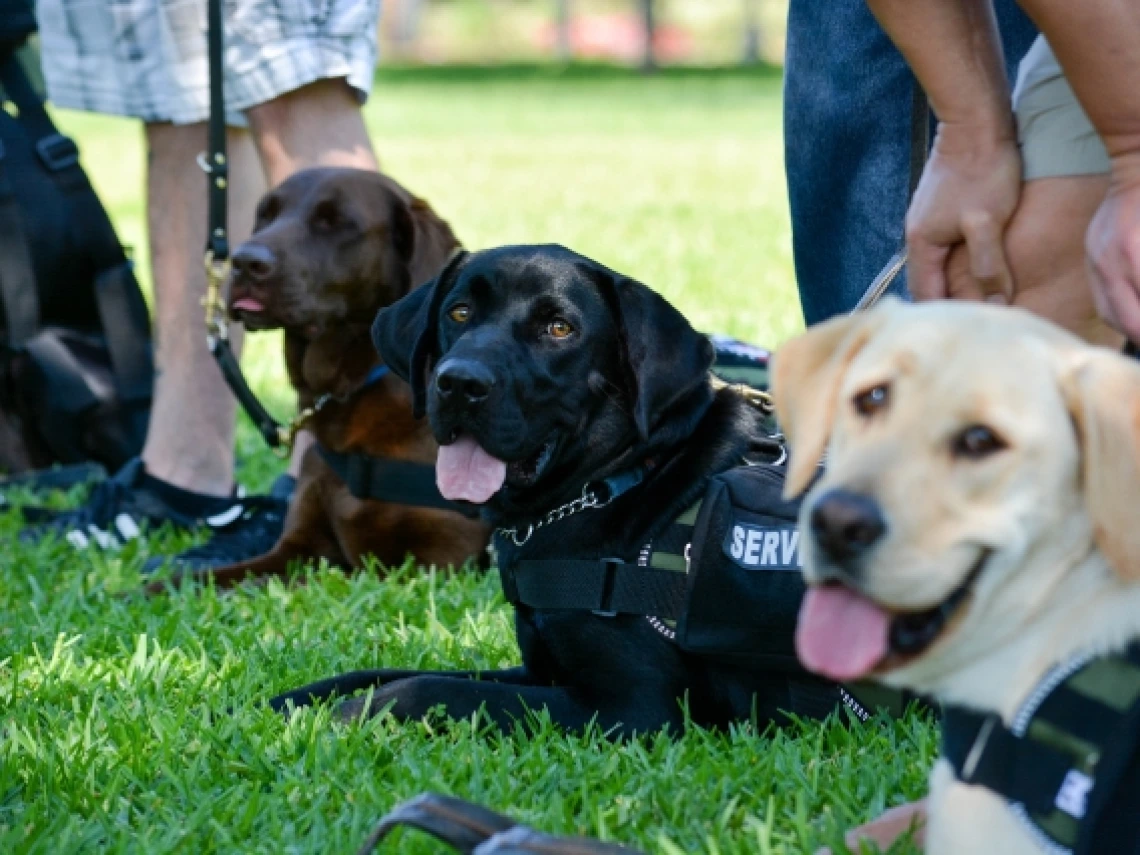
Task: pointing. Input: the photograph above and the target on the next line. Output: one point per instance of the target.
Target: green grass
(139, 726)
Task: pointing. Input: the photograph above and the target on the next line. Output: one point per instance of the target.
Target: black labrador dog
(542, 371)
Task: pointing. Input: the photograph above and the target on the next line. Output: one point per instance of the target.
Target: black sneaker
(252, 530)
(62, 477)
(117, 508)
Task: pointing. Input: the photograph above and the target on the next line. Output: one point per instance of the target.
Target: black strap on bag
(17, 276)
(122, 311)
(78, 366)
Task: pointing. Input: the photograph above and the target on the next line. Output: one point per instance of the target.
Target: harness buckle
(974, 757)
(57, 152)
(611, 565)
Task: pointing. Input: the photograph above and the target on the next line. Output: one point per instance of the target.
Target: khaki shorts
(147, 58)
(1055, 134)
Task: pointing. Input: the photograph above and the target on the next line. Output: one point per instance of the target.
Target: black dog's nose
(466, 378)
(845, 524)
(254, 260)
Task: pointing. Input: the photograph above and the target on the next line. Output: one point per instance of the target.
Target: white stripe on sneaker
(128, 528)
(225, 517)
(101, 537)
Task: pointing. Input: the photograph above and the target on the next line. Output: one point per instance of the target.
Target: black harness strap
(609, 586)
(1048, 762)
(984, 753)
(402, 482)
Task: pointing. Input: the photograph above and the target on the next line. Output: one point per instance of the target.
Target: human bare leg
(190, 441)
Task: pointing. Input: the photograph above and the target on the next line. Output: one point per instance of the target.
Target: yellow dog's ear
(1103, 393)
(806, 373)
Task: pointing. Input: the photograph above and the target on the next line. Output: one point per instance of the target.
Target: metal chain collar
(589, 499)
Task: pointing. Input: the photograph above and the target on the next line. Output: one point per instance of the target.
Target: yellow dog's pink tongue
(465, 471)
(841, 634)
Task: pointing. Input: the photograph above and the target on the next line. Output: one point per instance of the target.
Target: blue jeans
(847, 113)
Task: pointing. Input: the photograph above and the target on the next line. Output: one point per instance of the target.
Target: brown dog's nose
(846, 524)
(254, 260)
(464, 378)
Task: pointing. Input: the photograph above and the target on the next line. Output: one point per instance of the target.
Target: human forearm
(954, 49)
(1097, 43)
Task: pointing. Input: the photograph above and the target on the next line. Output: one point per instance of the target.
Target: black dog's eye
(873, 400)
(558, 328)
(268, 210)
(326, 217)
(976, 442)
(460, 313)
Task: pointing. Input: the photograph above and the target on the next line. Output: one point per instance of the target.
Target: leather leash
(217, 258)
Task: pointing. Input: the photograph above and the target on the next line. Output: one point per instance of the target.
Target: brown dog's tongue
(465, 471)
(841, 634)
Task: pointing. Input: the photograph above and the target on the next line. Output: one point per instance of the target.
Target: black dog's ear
(666, 360)
(405, 332)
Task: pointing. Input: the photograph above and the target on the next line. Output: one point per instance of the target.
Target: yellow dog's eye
(871, 401)
(559, 328)
(460, 313)
(977, 441)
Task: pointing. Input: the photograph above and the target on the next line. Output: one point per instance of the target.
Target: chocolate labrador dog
(542, 372)
(331, 247)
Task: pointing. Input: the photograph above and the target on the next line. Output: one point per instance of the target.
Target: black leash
(216, 166)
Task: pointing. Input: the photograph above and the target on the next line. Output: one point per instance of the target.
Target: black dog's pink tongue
(841, 634)
(465, 471)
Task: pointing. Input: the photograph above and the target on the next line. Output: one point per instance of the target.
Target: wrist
(1125, 164)
(978, 131)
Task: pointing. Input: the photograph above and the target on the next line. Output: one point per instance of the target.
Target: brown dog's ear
(405, 333)
(1103, 394)
(423, 240)
(806, 373)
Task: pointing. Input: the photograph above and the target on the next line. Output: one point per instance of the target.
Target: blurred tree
(752, 33)
(565, 16)
(649, 57)
(404, 28)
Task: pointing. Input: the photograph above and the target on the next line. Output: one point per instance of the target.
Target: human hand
(1113, 247)
(887, 828)
(968, 193)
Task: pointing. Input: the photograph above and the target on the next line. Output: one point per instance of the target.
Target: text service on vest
(756, 547)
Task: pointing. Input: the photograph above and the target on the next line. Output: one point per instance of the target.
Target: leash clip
(217, 271)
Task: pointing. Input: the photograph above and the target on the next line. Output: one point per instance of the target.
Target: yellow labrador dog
(978, 519)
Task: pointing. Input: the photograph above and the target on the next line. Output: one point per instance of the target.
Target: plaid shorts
(147, 58)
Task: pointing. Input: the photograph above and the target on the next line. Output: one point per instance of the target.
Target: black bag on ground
(76, 363)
